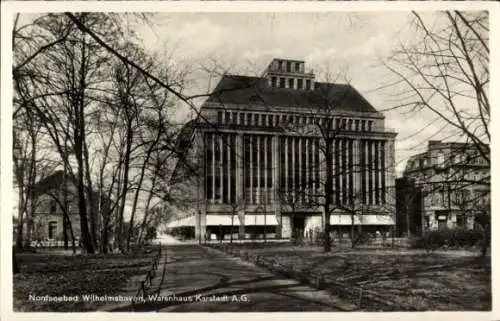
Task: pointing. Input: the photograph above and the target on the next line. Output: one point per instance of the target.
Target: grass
(410, 280)
(55, 274)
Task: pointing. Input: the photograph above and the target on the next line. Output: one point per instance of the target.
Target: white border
(10, 7)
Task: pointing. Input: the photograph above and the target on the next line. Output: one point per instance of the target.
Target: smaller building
(55, 195)
(447, 185)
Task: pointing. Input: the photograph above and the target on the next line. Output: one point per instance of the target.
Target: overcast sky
(349, 44)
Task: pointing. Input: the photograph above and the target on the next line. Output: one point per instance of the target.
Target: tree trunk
(146, 211)
(15, 266)
(90, 198)
(128, 149)
(137, 192)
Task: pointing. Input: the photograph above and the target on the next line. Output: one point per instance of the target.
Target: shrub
(450, 238)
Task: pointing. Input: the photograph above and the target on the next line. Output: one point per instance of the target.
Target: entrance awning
(250, 219)
(185, 221)
(343, 219)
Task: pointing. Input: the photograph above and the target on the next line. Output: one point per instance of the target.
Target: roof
(244, 89)
(56, 181)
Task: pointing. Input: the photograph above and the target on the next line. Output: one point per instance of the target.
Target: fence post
(143, 289)
(360, 296)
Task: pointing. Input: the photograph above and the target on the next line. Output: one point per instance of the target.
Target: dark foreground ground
(263, 278)
(386, 279)
(58, 274)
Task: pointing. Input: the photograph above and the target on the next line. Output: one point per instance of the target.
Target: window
(440, 159)
(356, 124)
(264, 120)
(282, 82)
(349, 126)
(370, 123)
(235, 117)
(288, 66)
(337, 123)
(308, 84)
(273, 82)
(344, 124)
(53, 206)
(363, 125)
(219, 117)
(271, 120)
(256, 120)
(300, 84)
(249, 119)
(228, 117)
(291, 83)
(52, 230)
(242, 119)
(282, 67)
(297, 66)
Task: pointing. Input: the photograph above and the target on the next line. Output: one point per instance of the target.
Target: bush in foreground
(448, 238)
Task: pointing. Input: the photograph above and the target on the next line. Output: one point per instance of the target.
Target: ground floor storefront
(282, 226)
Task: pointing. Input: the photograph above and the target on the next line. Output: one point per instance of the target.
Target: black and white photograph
(248, 161)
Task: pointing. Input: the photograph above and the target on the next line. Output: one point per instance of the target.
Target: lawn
(386, 279)
(56, 274)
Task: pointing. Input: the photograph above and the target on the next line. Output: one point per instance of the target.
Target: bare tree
(444, 73)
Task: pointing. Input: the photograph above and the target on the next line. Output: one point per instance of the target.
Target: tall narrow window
(297, 66)
(300, 84)
(273, 82)
(264, 120)
(219, 117)
(356, 125)
(209, 169)
(52, 230)
(233, 169)
(249, 119)
(224, 168)
(282, 82)
(308, 84)
(228, 117)
(242, 119)
(288, 66)
(291, 83)
(53, 206)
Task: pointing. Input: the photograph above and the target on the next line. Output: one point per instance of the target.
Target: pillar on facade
(258, 187)
(357, 171)
(239, 154)
(221, 168)
(213, 166)
(275, 161)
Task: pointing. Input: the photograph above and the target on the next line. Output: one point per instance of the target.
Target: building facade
(55, 195)
(257, 158)
(454, 181)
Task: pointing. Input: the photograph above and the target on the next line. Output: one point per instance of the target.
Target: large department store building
(253, 162)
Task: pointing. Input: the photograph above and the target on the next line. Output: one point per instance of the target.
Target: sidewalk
(199, 279)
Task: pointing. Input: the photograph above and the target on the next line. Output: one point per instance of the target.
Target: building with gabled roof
(251, 164)
(55, 194)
